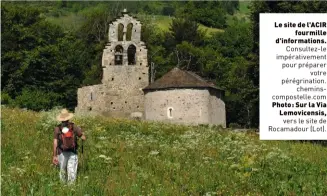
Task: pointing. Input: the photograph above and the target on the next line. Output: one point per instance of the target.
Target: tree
(39, 58)
(177, 33)
(168, 11)
(209, 13)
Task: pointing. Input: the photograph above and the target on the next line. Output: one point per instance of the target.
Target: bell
(118, 57)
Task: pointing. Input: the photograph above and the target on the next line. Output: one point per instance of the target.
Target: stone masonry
(125, 73)
(185, 106)
(185, 98)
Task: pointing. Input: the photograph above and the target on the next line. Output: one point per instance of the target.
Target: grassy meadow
(123, 157)
(163, 23)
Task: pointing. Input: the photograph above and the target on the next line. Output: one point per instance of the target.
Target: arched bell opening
(131, 55)
(129, 32)
(119, 55)
(120, 32)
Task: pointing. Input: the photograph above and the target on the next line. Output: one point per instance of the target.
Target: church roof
(177, 78)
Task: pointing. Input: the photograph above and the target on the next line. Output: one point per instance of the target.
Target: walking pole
(82, 147)
(82, 154)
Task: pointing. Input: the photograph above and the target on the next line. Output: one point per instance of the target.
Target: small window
(112, 103)
(170, 112)
(112, 79)
(140, 78)
(91, 96)
(90, 108)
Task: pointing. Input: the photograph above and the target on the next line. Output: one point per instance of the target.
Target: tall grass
(124, 157)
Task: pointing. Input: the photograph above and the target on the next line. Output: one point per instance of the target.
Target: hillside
(72, 19)
(137, 158)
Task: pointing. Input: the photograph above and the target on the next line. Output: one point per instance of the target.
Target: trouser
(68, 162)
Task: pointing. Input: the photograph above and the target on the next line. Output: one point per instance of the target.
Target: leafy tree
(177, 33)
(37, 100)
(168, 11)
(209, 13)
(230, 6)
(25, 36)
(38, 57)
(154, 40)
(235, 41)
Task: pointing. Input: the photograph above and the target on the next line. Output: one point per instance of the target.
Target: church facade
(125, 73)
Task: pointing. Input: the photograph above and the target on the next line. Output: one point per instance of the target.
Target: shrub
(235, 126)
(36, 100)
(5, 99)
(47, 119)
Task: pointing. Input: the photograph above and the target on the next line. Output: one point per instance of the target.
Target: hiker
(65, 146)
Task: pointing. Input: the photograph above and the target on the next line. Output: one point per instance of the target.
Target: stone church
(178, 97)
(125, 73)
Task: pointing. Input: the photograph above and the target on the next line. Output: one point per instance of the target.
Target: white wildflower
(210, 193)
(154, 152)
(105, 157)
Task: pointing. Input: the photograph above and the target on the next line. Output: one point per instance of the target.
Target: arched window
(129, 32)
(119, 55)
(91, 96)
(131, 55)
(170, 112)
(120, 32)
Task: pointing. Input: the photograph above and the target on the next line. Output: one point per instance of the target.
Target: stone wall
(189, 106)
(113, 72)
(217, 109)
(110, 100)
(125, 20)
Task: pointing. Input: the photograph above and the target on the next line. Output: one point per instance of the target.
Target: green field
(137, 158)
(71, 21)
(163, 23)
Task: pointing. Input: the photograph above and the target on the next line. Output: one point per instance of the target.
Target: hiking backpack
(67, 141)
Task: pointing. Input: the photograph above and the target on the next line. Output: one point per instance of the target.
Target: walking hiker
(65, 146)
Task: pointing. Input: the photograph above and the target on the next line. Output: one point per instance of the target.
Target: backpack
(67, 141)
